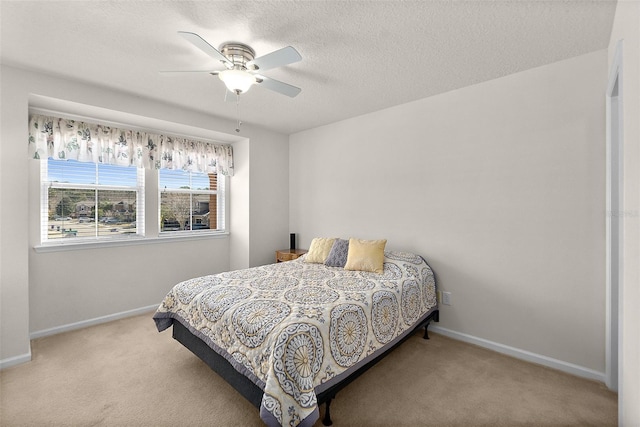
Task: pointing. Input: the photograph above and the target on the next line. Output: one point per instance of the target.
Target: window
(90, 201)
(97, 179)
(190, 201)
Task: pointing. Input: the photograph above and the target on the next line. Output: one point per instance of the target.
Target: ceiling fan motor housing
(238, 53)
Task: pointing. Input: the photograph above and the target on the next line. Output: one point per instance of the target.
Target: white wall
(269, 199)
(500, 186)
(41, 291)
(261, 223)
(240, 196)
(14, 240)
(265, 173)
(626, 27)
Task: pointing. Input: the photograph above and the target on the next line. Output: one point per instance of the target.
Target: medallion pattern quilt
(295, 328)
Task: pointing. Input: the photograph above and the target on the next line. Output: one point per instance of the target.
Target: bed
(289, 336)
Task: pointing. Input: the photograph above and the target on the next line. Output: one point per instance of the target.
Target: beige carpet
(125, 373)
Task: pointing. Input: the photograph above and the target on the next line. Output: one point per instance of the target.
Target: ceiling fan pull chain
(238, 111)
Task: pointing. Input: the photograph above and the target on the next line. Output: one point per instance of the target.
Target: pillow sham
(319, 250)
(338, 254)
(366, 255)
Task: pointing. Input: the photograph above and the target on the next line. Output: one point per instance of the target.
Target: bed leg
(327, 416)
(426, 331)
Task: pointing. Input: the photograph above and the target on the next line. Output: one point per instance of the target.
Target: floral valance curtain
(88, 142)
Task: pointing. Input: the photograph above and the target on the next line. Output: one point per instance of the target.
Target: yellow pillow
(366, 255)
(319, 250)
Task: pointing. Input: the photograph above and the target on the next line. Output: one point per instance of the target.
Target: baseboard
(560, 365)
(15, 360)
(92, 322)
(549, 362)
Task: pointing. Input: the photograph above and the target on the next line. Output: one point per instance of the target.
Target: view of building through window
(90, 213)
(89, 200)
(188, 201)
(99, 201)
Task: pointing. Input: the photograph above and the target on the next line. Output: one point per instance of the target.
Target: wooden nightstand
(289, 254)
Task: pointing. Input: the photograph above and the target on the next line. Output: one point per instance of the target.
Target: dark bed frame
(252, 392)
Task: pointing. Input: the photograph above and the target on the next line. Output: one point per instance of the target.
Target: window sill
(133, 241)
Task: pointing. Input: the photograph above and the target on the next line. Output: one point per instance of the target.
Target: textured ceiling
(358, 56)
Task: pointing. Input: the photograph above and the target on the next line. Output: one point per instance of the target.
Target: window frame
(220, 193)
(46, 184)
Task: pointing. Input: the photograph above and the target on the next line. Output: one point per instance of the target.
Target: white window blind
(90, 201)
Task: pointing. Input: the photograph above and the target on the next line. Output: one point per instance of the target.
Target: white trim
(613, 370)
(528, 356)
(616, 68)
(75, 246)
(15, 360)
(92, 322)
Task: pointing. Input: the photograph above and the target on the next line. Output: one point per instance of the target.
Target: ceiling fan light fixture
(237, 81)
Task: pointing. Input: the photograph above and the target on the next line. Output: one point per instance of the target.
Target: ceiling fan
(243, 69)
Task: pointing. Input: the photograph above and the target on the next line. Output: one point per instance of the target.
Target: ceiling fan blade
(286, 55)
(178, 72)
(278, 86)
(202, 44)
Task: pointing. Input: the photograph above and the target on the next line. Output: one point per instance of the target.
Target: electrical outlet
(446, 298)
(439, 296)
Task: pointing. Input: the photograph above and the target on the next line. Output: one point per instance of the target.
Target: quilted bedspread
(295, 328)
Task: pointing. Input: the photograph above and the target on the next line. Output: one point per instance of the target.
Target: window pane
(200, 212)
(93, 211)
(116, 212)
(175, 210)
(70, 213)
(188, 200)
